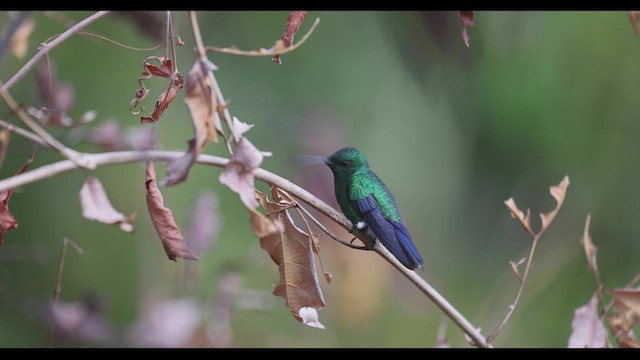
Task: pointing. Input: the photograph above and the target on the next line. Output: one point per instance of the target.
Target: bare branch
(121, 157)
(45, 48)
(22, 132)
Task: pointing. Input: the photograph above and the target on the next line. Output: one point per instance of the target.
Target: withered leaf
(164, 70)
(20, 40)
(291, 249)
(96, 205)
(627, 304)
(7, 221)
(587, 329)
(558, 192)
(634, 17)
(590, 250)
(238, 173)
(203, 106)
(294, 20)
(467, 20)
(629, 298)
(161, 105)
(162, 218)
(239, 128)
(517, 213)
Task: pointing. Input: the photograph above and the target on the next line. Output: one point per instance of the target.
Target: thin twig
(522, 279)
(121, 157)
(58, 285)
(45, 48)
(265, 52)
(202, 56)
(329, 232)
(22, 132)
(73, 155)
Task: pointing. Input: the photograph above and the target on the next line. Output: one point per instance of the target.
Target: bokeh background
(453, 131)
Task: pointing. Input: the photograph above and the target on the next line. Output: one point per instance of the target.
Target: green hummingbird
(367, 202)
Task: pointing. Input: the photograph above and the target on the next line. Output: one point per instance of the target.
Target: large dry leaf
(7, 221)
(558, 192)
(96, 205)
(162, 218)
(203, 106)
(630, 298)
(291, 249)
(238, 173)
(587, 329)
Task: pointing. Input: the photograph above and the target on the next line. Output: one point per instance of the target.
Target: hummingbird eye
(344, 162)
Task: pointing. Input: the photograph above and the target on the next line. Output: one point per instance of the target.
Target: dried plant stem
(265, 52)
(201, 53)
(22, 132)
(121, 157)
(58, 285)
(71, 154)
(522, 280)
(45, 48)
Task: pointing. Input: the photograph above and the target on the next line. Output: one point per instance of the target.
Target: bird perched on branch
(367, 202)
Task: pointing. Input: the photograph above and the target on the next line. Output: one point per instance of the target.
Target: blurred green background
(453, 131)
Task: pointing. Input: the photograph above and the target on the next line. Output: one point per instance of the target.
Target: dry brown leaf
(96, 205)
(161, 105)
(162, 218)
(203, 105)
(587, 329)
(291, 249)
(558, 192)
(7, 221)
(20, 40)
(627, 304)
(517, 213)
(239, 128)
(238, 173)
(590, 250)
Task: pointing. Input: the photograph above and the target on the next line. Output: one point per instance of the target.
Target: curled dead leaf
(587, 329)
(627, 305)
(518, 214)
(7, 221)
(172, 240)
(161, 105)
(291, 249)
(239, 128)
(96, 205)
(590, 250)
(558, 192)
(238, 173)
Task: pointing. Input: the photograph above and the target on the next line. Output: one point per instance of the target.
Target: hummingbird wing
(392, 234)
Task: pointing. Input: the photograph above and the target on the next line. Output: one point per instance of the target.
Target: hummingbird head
(346, 161)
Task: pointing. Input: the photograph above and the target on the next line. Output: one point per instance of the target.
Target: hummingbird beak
(309, 160)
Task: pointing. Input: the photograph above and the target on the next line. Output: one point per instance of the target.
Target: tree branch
(45, 48)
(121, 157)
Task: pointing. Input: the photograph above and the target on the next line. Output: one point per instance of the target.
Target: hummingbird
(367, 202)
